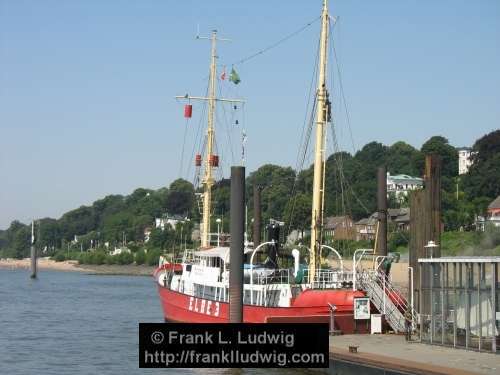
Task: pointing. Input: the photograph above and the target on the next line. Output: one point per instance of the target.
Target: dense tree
(276, 187)
(221, 197)
(298, 212)
(373, 153)
(340, 178)
(48, 234)
(180, 198)
(161, 239)
(18, 237)
(3, 239)
(77, 222)
(449, 155)
(483, 178)
(402, 159)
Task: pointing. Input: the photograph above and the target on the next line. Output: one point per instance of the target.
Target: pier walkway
(391, 354)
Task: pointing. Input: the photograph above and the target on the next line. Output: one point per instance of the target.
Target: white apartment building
(464, 159)
(401, 184)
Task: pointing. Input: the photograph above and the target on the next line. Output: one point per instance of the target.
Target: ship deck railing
(328, 278)
(279, 276)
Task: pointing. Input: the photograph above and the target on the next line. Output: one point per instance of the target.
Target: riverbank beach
(73, 266)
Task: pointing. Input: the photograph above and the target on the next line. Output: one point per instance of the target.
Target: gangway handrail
(251, 266)
(338, 255)
(377, 262)
(401, 303)
(354, 264)
(393, 315)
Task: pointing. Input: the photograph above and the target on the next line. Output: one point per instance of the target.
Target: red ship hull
(310, 306)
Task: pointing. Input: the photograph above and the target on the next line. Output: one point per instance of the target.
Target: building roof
(372, 220)
(392, 212)
(404, 178)
(332, 222)
(403, 218)
(495, 203)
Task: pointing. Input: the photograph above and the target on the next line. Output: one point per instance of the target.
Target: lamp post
(218, 221)
(430, 248)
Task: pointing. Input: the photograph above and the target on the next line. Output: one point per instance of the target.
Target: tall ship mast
(208, 179)
(322, 114)
(211, 160)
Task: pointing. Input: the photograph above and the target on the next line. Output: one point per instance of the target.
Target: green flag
(234, 77)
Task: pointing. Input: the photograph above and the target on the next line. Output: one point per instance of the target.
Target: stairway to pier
(387, 299)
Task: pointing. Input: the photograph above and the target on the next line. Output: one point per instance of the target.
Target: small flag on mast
(234, 77)
(223, 75)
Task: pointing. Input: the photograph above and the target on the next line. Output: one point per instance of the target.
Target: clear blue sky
(86, 87)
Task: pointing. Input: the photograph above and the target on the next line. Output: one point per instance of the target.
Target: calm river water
(72, 323)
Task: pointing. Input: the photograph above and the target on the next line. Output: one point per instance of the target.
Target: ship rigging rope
(181, 167)
(275, 44)
(304, 139)
(228, 127)
(341, 87)
(195, 143)
(348, 120)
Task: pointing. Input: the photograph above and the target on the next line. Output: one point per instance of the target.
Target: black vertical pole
(33, 252)
(256, 215)
(237, 247)
(382, 210)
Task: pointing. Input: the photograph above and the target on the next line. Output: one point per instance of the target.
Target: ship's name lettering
(204, 306)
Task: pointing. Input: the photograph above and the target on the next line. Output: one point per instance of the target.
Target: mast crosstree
(322, 114)
(208, 179)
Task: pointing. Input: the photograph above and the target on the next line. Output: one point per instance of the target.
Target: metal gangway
(387, 299)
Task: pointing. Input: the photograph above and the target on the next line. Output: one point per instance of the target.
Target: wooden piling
(237, 244)
(33, 251)
(425, 223)
(381, 246)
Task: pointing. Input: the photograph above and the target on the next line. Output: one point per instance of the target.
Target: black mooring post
(33, 252)
(237, 244)
(382, 210)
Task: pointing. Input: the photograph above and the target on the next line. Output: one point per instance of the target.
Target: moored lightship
(195, 289)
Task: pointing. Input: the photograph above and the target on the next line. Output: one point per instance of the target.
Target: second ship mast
(210, 159)
(322, 114)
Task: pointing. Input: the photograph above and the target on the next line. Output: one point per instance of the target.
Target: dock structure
(460, 302)
(391, 354)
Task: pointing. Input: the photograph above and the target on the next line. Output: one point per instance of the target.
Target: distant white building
(119, 250)
(401, 184)
(162, 222)
(464, 159)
